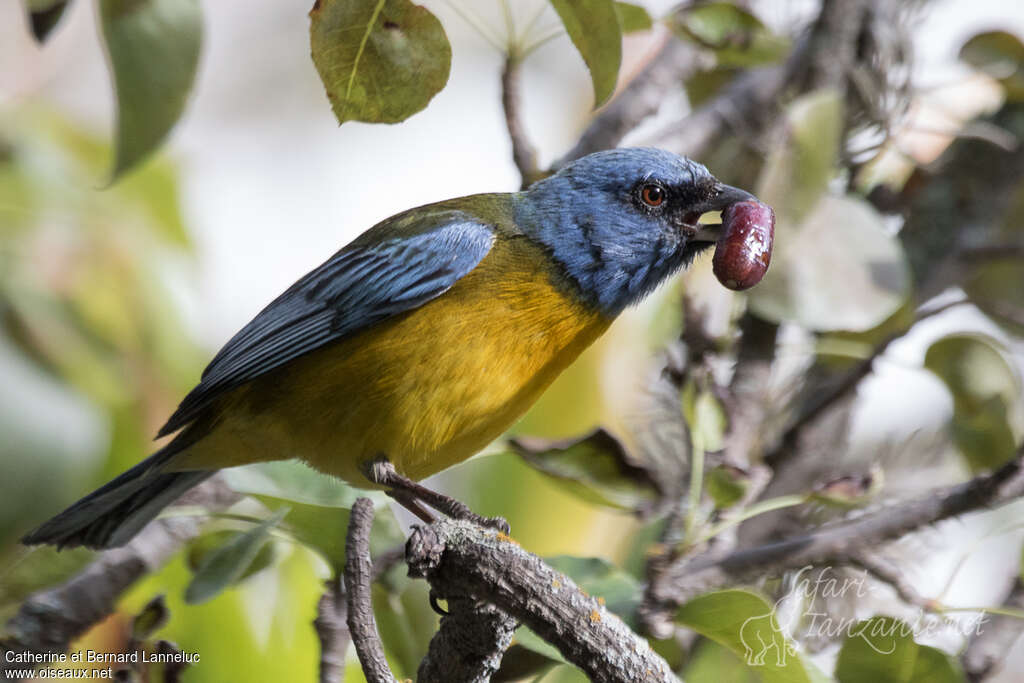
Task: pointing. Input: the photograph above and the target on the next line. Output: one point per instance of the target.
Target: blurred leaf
(226, 565)
(156, 191)
(26, 570)
(529, 640)
(632, 17)
(593, 27)
(745, 622)
(620, 591)
(324, 529)
(318, 506)
(151, 619)
(597, 468)
(798, 170)
(292, 480)
(154, 51)
(839, 269)
(998, 54)
(49, 462)
(44, 15)
(727, 485)
(703, 85)
(704, 416)
(521, 662)
(736, 36)
(994, 285)
(883, 649)
(984, 387)
(199, 551)
(380, 62)
(406, 624)
(714, 663)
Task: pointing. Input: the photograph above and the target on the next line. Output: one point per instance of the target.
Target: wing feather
(363, 284)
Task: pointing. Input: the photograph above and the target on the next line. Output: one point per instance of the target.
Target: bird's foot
(412, 495)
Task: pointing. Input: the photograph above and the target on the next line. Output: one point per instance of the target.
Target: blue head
(620, 222)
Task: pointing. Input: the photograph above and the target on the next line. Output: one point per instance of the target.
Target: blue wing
(362, 284)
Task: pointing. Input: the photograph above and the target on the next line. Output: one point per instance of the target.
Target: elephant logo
(762, 633)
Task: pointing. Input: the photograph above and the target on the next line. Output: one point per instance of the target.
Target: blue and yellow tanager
(426, 337)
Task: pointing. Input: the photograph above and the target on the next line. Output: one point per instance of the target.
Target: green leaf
(883, 649)
(705, 417)
(712, 663)
(703, 85)
(380, 62)
(839, 269)
(292, 480)
(984, 387)
(154, 51)
(530, 641)
(799, 168)
(737, 37)
(998, 54)
(150, 619)
(226, 565)
(994, 286)
(324, 529)
(406, 623)
(632, 17)
(593, 27)
(597, 468)
(620, 592)
(521, 662)
(745, 622)
(200, 549)
(727, 485)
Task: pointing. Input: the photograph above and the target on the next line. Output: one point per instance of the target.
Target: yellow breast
(427, 388)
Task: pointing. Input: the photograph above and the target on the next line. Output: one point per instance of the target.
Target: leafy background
(114, 295)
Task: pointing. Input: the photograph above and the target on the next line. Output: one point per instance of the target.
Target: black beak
(722, 195)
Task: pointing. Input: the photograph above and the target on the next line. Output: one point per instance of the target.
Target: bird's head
(620, 222)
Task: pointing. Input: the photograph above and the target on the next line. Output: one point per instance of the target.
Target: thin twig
(789, 443)
(887, 572)
(358, 574)
(986, 652)
(674, 62)
(523, 152)
(841, 542)
(332, 631)
(459, 558)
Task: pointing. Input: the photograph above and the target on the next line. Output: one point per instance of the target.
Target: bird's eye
(652, 195)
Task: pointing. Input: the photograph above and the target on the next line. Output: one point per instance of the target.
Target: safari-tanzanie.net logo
(769, 638)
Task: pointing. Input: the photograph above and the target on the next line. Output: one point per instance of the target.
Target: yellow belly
(427, 389)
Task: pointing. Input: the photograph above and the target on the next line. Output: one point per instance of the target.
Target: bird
(424, 339)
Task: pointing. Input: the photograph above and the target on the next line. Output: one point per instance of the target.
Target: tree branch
(358, 575)
(674, 62)
(985, 653)
(459, 558)
(840, 542)
(332, 631)
(523, 152)
(470, 643)
(49, 620)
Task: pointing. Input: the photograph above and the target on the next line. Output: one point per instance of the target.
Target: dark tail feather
(112, 514)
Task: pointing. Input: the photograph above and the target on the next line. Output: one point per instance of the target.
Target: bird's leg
(411, 494)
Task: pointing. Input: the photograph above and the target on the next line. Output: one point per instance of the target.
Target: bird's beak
(722, 196)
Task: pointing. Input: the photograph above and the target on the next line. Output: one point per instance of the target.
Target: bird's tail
(112, 514)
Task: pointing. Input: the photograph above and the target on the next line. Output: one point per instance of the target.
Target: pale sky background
(272, 186)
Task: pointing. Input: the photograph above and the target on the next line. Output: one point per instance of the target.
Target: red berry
(744, 248)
